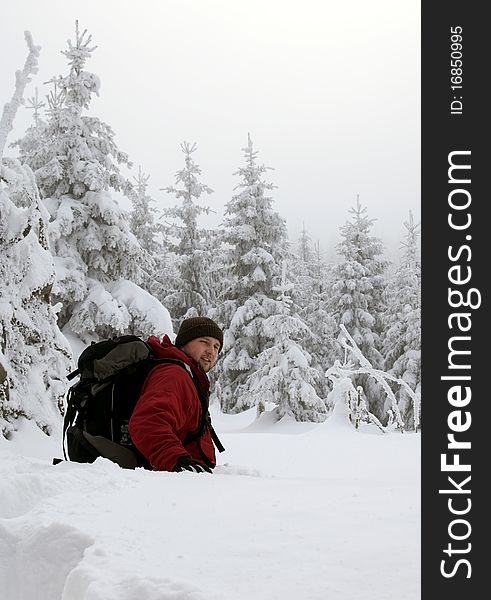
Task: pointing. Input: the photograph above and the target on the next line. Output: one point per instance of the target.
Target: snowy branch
(22, 78)
(381, 377)
(367, 368)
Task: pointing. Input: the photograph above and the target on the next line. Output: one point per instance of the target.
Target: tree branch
(22, 78)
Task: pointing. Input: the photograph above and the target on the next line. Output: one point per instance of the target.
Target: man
(165, 425)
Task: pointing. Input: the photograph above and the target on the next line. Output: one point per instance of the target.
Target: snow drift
(298, 511)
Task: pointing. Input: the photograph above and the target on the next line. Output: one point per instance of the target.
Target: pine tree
(75, 160)
(302, 270)
(142, 216)
(34, 356)
(283, 374)
(350, 401)
(305, 247)
(255, 232)
(35, 104)
(36, 131)
(256, 241)
(191, 294)
(150, 235)
(359, 282)
(402, 336)
(311, 295)
(76, 153)
(357, 293)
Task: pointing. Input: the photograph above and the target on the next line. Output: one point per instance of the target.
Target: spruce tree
(311, 292)
(357, 294)
(34, 356)
(358, 284)
(256, 242)
(191, 295)
(143, 222)
(283, 374)
(77, 153)
(75, 160)
(302, 270)
(402, 337)
(34, 132)
(255, 233)
(305, 251)
(35, 104)
(150, 234)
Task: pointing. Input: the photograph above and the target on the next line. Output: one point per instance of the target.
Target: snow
(22, 78)
(142, 307)
(293, 511)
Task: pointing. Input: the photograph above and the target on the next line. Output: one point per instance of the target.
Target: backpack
(99, 406)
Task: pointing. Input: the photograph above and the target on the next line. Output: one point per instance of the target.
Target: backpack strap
(216, 439)
(205, 418)
(73, 374)
(69, 418)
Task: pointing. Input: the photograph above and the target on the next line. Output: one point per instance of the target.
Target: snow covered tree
(302, 269)
(34, 355)
(191, 295)
(402, 336)
(305, 247)
(143, 223)
(357, 292)
(151, 236)
(76, 153)
(35, 104)
(256, 243)
(255, 233)
(353, 399)
(317, 314)
(75, 160)
(34, 132)
(283, 374)
(310, 295)
(356, 300)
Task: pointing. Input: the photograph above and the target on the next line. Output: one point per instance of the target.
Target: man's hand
(185, 463)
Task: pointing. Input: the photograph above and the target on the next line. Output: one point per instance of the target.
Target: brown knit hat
(196, 327)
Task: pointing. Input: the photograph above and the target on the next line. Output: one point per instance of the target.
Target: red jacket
(168, 410)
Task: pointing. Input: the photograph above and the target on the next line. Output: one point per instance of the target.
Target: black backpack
(100, 404)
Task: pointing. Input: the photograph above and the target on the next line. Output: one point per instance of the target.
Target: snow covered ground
(293, 512)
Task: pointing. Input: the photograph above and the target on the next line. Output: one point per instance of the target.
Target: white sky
(329, 91)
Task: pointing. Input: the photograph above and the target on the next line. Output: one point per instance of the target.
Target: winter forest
(77, 267)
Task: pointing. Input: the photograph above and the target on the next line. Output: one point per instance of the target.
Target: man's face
(204, 350)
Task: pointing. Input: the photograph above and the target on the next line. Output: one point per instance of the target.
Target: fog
(329, 92)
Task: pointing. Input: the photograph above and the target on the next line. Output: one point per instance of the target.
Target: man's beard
(205, 365)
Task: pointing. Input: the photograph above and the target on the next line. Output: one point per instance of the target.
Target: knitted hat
(196, 327)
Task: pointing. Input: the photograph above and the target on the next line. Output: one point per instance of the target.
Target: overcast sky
(329, 91)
